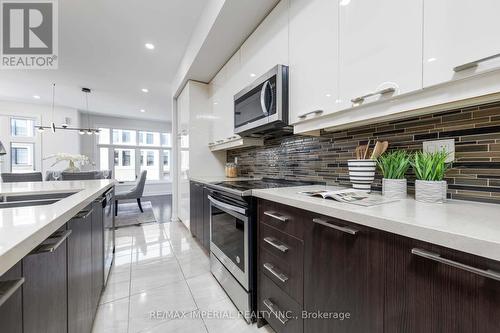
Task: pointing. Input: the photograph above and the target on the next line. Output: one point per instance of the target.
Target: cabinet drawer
(279, 309)
(285, 218)
(282, 254)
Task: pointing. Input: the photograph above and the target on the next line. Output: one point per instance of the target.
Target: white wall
(46, 143)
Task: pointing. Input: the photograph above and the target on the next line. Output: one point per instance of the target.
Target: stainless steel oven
(263, 106)
(232, 249)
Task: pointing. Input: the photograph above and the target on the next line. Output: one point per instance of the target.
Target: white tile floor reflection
(159, 267)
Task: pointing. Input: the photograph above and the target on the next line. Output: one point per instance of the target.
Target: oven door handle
(224, 205)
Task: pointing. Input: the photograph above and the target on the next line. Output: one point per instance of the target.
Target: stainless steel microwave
(262, 107)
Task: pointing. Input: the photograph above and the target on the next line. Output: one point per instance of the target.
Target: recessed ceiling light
(142, 110)
(215, 103)
(328, 95)
(431, 59)
(253, 75)
(344, 2)
(144, 90)
(149, 46)
(36, 97)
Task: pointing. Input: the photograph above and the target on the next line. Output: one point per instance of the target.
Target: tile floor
(160, 268)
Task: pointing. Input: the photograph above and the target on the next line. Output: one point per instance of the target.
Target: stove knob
(238, 260)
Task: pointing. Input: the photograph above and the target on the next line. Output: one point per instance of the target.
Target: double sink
(26, 200)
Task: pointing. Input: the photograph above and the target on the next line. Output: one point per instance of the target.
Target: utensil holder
(362, 173)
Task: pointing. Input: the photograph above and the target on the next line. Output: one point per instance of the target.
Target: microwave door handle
(263, 105)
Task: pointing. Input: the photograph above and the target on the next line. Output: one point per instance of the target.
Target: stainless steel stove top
(245, 187)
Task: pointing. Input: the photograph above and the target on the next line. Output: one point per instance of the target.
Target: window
(104, 136)
(150, 161)
(165, 140)
(20, 127)
(22, 156)
(104, 158)
(166, 164)
(149, 138)
(124, 137)
(128, 152)
(124, 160)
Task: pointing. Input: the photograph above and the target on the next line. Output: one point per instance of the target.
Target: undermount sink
(32, 199)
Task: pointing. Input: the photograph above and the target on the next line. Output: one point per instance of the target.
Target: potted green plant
(430, 169)
(394, 166)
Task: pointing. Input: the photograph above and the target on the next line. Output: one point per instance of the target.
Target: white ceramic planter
(394, 188)
(430, 191)
(362, 173)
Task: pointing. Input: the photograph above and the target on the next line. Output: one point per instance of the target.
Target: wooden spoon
(377, 151)
(367, 149)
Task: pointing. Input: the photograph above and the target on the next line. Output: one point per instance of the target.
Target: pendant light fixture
(65, 125)
(53, 124)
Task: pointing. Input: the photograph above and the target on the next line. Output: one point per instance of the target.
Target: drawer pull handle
(348, 230)
(8, 288)
(274, 310)
(59, 238)
(276, 244)
(373, 93)
(83, 214)
(437, 257)
(280, 276)
(315, 112)
(474, 63)
(276, 216)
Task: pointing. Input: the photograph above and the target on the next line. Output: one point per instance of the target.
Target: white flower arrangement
(75, 161)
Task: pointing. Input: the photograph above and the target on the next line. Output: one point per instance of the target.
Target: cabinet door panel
(380, 47)
(11, 312)
(80, 275)
(313, 57)
(44, 292)
(206, 220)
(267, 46)
(97, 253)
(456, 33)
(423, 295)
(345, 273)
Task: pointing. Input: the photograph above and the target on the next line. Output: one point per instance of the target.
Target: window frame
(164, 176)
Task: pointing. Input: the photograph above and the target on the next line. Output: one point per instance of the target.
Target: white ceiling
(101, 46)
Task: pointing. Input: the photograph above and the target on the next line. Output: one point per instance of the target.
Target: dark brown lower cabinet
(200, 214)
(196, 210)
(206, 219)
(344, 276)
(11, 312)
(45, 290)
(80, 310)
(424, 295)
(97, 252)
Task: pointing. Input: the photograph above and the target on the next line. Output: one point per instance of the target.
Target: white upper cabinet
(314, 64)
(267, 46)
(380, 49)
(222, 90)
(460, 32)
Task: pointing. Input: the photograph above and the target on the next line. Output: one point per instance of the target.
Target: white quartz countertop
(23, 228)
(465, 226)
(211, 180)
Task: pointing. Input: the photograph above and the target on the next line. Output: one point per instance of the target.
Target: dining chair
(22, 177)
(135, 193)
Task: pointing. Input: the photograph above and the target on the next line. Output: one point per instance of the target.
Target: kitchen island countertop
(23, 228)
